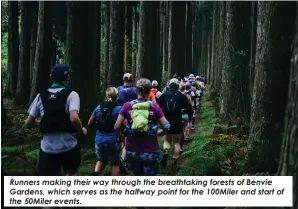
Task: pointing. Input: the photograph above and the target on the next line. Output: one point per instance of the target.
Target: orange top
(151, 96)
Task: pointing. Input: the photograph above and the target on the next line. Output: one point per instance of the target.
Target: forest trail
(205, 154)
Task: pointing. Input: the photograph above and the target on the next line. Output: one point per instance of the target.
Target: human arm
(74, 106)
(33, 113)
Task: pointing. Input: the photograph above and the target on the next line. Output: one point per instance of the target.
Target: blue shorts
(143, 163)
(184, 120)
(108, 152)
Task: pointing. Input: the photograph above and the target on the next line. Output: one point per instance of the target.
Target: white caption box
(225, 191)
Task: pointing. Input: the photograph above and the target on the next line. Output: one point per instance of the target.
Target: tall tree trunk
(142, 56)
(153, 69)
(134, 39)
(254, 8)
(34, 17)
(13, 47)
(84, 56)
(116, 51)
(211, 78)
(23, 86)
(42, 62)
(97, 45)
(69, 34)
(288, 160)
(188, 47)
(269, 96)
(178, 38)
(106, 47)
(170, 40)
(235, 82)
(128, 33)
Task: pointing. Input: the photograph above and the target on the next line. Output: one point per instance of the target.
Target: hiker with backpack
(60, 123)
(173, 102)
(143, 117)
(107, 146)
(186, 123)
(154, 93)
(127, 93)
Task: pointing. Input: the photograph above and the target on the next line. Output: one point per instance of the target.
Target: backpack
(140, 124)
(105, 121)
(55, 118)
(171, 102)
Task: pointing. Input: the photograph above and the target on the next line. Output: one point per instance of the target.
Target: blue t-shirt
(106, 137)
(127, 93)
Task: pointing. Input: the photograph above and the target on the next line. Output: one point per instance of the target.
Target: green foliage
(211, 154)
(4, 54)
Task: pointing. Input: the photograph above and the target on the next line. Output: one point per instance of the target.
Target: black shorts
(50, 164)
(176, 126)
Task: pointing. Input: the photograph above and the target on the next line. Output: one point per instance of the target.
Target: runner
(189, 90)
(172, 103)
(58, 107)
(127, 93)
(154, 93)
(143, 116)
(186, 123)
(107, 146)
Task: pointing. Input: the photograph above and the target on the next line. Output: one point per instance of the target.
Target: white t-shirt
(56, 142)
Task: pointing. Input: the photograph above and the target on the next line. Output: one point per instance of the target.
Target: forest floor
(206, 154)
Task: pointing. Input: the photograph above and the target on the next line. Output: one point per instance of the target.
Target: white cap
(197, 76)
(154, 83)
(191, 76)
(174, 80)
(128, 77)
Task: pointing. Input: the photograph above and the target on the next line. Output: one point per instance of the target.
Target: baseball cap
(59, 71)
(128, 77)
(154, 83)
(191, 76)
(174, 81)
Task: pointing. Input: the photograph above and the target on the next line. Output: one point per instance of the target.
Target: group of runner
(127, 124)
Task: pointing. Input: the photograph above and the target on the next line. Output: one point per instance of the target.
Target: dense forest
(248, 50)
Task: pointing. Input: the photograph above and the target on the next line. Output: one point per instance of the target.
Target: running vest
(55, 118)
(140, 124)
(105, 121)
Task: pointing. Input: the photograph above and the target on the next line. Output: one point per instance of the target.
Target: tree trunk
(33, 36)
(288, 160)
(42, 62)
(153, 64)
(69, 34)
(134, 39)
(254, 8)
(269, 96)
(213, 45)
(128, 33)
(142, 56)
(13, 47)
(106, 47)
(23, 86)
(235, 82)
(188, 47)
(84, 57)
(170, 40)
(178, 38)
(97, 46)
(116, 51)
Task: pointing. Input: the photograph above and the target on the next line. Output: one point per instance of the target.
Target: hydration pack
(126, 94)
(55, 118)
(105, 121)
(140, 124)
(171, 102)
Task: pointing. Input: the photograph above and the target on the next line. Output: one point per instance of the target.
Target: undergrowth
(213, 154)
